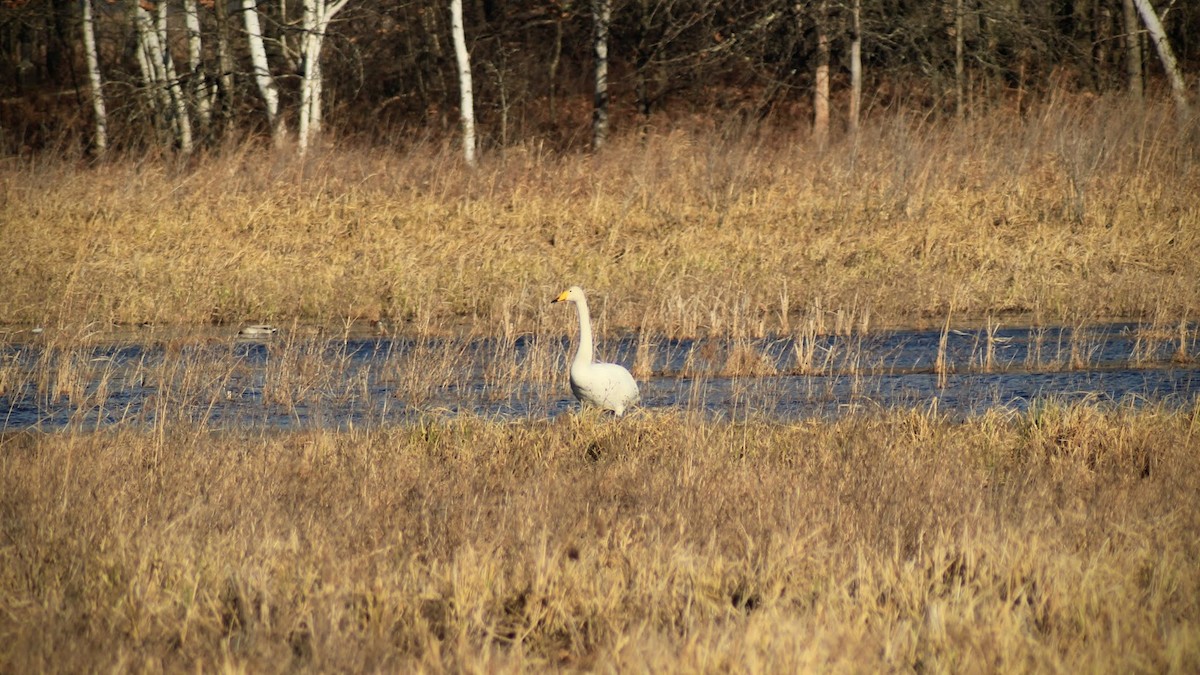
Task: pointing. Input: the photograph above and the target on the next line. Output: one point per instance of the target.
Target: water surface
(363, 381)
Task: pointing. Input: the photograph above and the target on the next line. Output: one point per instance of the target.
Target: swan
(604, 385)
(258, 330)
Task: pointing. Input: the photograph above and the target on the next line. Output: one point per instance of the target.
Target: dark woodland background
(390, 72)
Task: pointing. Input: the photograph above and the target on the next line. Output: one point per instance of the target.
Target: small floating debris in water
(258, 330)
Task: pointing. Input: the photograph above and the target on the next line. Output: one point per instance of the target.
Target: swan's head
(573, 294)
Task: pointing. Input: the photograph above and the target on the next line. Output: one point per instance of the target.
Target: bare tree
(464, 81)
(200, 89)
(855, 65)
(100, 135)
(1133, 48)
(262, 71)
(224, 65)
(317, 15)
(601, 17)
(821, 84)
(1165, 54)
(182, 119)
(960, 69)
(158, 72)
(714, 57)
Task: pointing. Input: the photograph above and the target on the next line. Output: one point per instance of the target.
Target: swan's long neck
(585, 353)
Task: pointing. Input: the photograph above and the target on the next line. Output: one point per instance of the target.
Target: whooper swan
(605, 385)
(258, 330)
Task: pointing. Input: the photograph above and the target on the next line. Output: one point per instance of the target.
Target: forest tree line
(187, 74)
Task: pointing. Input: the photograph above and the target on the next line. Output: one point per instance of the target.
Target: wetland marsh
(925, 402)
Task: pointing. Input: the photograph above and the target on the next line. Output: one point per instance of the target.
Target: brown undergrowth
(1063, 538)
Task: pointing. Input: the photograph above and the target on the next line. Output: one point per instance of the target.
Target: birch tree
(262, 71)
(100, 135)
(821, 84)
(225, 65)
(317, 15)
(1133, 48)
(182, 120)
(158, 72)
(601, 17)
(1165, 54)
(464, 80)
(200, 89)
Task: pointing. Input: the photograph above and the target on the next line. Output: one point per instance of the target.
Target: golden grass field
(1060, 539)
(1071, 213)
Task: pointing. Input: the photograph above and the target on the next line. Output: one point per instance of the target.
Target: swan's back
(604, 385)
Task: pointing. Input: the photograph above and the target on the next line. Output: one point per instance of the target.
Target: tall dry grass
(1078, 209)
(1063, 539)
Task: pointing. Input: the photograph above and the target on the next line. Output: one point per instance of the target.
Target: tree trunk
(1133, 49)
(555, 59)
(225, 64)
(601, 16)
(1165, 54)
(317, 16)
(855, 66)
(158, 74)
(960, 68)
(262, 71)
(100, 137)
(150, 62)
(464, 81)
(821, 88)
(200, 88)
(183, 120)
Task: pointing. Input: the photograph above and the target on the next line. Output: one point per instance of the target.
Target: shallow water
(277, 382)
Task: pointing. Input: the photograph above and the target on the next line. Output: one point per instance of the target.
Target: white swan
(605, 385)
(258, 330)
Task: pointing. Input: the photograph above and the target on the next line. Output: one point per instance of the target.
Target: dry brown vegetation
(1059, 539)
(1072, 212)
(1063, 539)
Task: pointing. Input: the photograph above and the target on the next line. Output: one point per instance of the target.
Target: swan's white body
(258, 330)
(604, 385)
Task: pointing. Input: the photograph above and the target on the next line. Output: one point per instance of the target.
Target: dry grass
(1063, 539)
(1089, 211)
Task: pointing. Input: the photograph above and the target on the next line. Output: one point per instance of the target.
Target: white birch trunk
(1165, 54)
(100, 137)
(821, 90)
(856, 66)
(317, 15)
(601, 16)
(262, 71)
(308, 97)
(149, 56)
(464, 80)
(183, 121)
(200, 89)
(157, 74)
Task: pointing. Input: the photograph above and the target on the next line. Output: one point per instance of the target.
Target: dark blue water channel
(280, 382)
